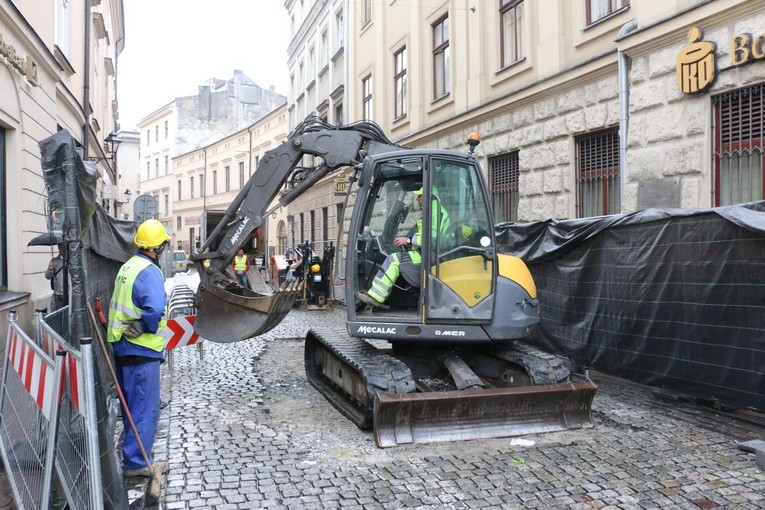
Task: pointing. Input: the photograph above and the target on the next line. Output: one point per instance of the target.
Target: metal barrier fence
(77, 452)
(47, 418)
(181, 304)
(31, 380)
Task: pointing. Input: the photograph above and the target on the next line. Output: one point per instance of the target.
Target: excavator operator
(386, 276)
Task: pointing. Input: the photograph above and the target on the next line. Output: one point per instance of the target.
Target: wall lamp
(111, 144)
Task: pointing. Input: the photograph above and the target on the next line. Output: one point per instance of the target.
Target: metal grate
(598, 173)
(504, 173)
(739, 144)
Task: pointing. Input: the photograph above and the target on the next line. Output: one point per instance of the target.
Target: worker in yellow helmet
(136, 318)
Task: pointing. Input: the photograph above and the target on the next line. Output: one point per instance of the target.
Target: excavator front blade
(232, 313)
(480, 414)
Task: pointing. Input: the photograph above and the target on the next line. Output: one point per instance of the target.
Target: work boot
(369, 300)
(145, 472)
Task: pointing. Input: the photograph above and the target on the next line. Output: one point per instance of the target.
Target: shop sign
(23, 64)
(696, 64)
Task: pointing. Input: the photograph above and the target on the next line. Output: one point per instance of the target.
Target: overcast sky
(172, 46)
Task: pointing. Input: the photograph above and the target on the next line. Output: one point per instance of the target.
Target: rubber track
(380, 372)
(542, 367)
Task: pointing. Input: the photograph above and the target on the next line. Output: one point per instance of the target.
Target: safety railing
(180, 332)
(47, 418)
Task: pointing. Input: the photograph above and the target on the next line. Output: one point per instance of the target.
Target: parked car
(180, 262)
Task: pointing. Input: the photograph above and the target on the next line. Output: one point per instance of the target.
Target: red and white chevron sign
(36, 376)
(180, 332)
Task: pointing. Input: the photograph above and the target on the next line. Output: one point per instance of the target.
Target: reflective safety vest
(240, 263)
(122, 307)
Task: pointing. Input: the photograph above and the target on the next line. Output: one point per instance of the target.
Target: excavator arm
(227, 312)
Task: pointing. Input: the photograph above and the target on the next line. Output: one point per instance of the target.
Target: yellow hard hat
(315, 268)
(150, 234)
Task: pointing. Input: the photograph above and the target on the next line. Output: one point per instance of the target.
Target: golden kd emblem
(696, 64)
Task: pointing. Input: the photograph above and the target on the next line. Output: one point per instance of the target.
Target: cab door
(462, 262)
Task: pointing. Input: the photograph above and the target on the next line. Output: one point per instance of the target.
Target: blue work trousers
(140, 386)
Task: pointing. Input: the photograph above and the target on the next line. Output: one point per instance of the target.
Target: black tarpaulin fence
(96, 246)
(669, 298)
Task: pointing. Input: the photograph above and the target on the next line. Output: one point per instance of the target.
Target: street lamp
(111, 144)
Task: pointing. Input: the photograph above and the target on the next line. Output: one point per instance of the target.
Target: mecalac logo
(449, 332)
(366, 330)
(238, 232)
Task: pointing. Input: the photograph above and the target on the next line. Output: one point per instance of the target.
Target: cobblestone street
(244, 429)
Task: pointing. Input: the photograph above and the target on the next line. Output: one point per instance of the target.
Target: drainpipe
(86, 83)
(624, 108)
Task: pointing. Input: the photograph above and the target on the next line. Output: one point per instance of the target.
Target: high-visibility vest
(122, 307)
(240, 263)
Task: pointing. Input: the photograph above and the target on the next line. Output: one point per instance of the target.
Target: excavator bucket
(480, 414)
(232, 313)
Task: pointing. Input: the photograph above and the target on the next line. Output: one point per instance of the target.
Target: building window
(339, 113)
(599, 9)
(215, 182)
(366, 12)
(281, 238)
(167, 129)
(227, 177)
(339, 30)
(62, 25)
(156, 133)
(339, 213)
(156, 167)
(3, 216)
(441, 85)
(511, 31)
(167, 205)
(201, 185)
(399, 83)
(325, 224)
(504, 173)
(255, 163)
(311, 64)
(191, 187)
(366, 98)
(148, 136)
(179, 189)
(324, 49)
(739, 143)
(167, 165)
(312, 233)
(178, 223)
(148, 170)
(241, 174)
(597, 168)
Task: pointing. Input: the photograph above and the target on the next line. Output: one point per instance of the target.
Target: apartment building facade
(221, 107)
(585, 108)
(57, 71)
(210, 177)
(318, 68)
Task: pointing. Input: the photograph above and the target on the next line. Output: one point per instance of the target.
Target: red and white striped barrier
(37, 375)
(72, 368)
(180, 332)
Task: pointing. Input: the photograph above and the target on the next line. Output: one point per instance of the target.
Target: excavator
(444, 358)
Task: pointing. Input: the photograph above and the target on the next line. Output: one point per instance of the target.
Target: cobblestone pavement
(244, 429)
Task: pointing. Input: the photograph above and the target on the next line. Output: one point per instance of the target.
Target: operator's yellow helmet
(150, 234)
